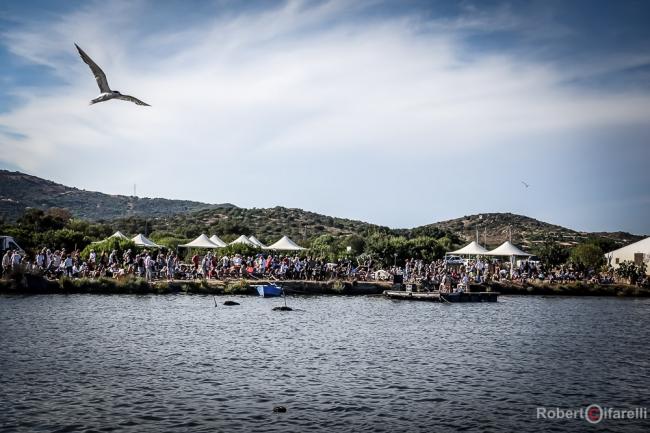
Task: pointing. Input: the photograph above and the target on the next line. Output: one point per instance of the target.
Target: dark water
(177, 363)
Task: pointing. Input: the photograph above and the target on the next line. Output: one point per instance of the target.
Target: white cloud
(258, 89)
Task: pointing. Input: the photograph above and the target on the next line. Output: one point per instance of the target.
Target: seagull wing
(100, 76)
(132, 99)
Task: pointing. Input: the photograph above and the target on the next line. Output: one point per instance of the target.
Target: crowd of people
(440, 274)
(158, 265)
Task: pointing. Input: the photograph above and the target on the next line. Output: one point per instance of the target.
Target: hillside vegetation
(20, 191)
(494, 228)
(93, 215)
(266, 224)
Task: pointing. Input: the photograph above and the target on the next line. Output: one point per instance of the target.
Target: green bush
(589, 256)
(108, 245)
(171, 242)
(338, 286)
(239, 287)
(62, 238)
(242, 249)
(630, 271)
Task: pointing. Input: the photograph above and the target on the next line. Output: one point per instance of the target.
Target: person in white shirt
(148, 266)
(40, 259)
(48, 259)
(56, 260)
(6, 262)
(15, 260)
(112, 258)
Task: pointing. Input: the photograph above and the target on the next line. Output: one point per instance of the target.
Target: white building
(638, 252)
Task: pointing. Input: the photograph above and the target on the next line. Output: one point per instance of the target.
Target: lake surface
(177, 363)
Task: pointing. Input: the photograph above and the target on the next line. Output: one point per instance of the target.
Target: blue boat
(269, 290)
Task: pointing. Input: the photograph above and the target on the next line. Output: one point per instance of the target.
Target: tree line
(57, 228)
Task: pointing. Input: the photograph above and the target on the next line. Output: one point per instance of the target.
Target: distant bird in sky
(525, 184)
(106, 92)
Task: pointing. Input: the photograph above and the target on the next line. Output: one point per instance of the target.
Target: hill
(186, 219)
(494, 228)
(266, 224)
(19, 191)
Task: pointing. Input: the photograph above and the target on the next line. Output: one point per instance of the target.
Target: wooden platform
(442, 297)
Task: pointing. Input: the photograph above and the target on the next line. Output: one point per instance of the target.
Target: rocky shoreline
(33, 284)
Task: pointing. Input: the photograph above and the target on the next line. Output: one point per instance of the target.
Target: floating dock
(442, 297)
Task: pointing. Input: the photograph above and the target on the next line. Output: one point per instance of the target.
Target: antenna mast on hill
(134, 194)
(130, 207)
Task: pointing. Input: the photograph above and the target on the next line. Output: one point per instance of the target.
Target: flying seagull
(525, 184)
(100, 76)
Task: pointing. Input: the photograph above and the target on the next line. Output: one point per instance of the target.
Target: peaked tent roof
(118, 234)
(507, 249)
(243, 240)
(141, 240)
(201, 242)
(256, 241)
(217, 241)
(285, 244)
(473, 248)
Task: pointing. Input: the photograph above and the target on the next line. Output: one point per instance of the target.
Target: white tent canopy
(285, 244)
(256, 241)
(507, 249)
(217, 241)
(141, 240)
(201, 242)
(243, 240)
(118, 234)
(472, 249)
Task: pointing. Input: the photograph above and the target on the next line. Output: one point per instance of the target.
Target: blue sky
(397, 113)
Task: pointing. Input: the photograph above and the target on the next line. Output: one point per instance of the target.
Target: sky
(399, 113)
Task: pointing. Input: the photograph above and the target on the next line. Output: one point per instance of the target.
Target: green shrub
(108, 245)
(338, 286)
(239, 287)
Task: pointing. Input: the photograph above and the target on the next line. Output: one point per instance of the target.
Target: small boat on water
(437, 296)
(269, 290)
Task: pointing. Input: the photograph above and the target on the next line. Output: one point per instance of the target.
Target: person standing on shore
(6, 262)
(40, 259)
(16, 258)
(195, 262)
(48, 259)
(67, 264)
(55, 263)
(171, 266)
(148, 266)
(112, 258)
